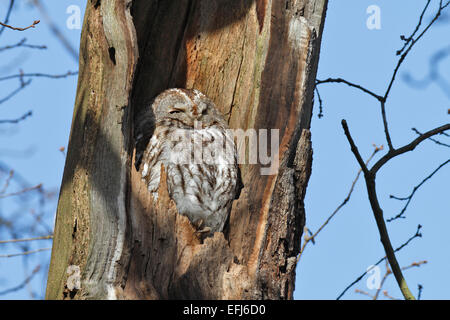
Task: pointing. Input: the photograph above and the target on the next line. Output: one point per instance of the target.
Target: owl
(193, 142)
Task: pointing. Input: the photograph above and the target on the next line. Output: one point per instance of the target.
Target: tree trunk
(257, 60)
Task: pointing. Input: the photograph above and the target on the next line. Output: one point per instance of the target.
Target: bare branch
(364, 293)
(383, 280)
(385, 124)
(8, 14)
(312, 237)
(431, 139)
(389, 272)
(412, 42)
(419, 291)
(40, 75)
(386, 294)
(38, 187)
(22, 44)
(409, 147)
(7, 182)
(357, 86)
(411, 37)
(49, 237)
(24, 253)
(378, 214)
(355, 149)
(35, 22)
(26, 115)
(406, 243)
(320, 115)
(415, 264)
(22, 86)
(411, 195)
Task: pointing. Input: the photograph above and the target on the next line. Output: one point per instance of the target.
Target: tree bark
(257, 60)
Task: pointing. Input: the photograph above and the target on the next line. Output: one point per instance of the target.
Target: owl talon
(200, 227)
(198, 224)
(205, 230)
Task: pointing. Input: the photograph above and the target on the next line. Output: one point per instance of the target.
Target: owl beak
(195, 110)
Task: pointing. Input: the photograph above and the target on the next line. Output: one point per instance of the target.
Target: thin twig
(13, 121)
(419, 291)
(40, 75)
(411, 195)
(22, 86)
(38, 187)
(415, 265)
(357, 86)
(8, 14)
(22, 44)
(49, 237)
(35, 22)
(386, 294)
(24, 253)
(364, 293)
(320, 115)
(410, 38)
(7, 182)
(383, 280)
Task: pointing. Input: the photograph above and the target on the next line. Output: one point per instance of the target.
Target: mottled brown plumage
(195, 145)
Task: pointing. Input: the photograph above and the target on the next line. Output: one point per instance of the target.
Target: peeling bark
(257, 60)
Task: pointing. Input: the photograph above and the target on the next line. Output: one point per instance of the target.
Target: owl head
(186, 108)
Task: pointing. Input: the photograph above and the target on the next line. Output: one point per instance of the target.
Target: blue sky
(32, 147)
(350, 243)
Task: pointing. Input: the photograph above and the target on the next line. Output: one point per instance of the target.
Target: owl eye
(173, 111)
(205, 111)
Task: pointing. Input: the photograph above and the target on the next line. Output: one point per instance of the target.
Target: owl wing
(227, 179)
(143, 131)
(152, 159)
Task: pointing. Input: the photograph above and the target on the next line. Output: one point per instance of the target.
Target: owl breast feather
(201, 172)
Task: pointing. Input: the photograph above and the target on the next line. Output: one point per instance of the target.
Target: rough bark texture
(257, 60)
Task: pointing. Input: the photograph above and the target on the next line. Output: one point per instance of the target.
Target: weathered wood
(91, 216)
(257, 60)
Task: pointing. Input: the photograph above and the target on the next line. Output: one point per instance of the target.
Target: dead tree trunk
(257, 60)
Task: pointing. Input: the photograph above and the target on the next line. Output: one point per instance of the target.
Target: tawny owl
(197, 149)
